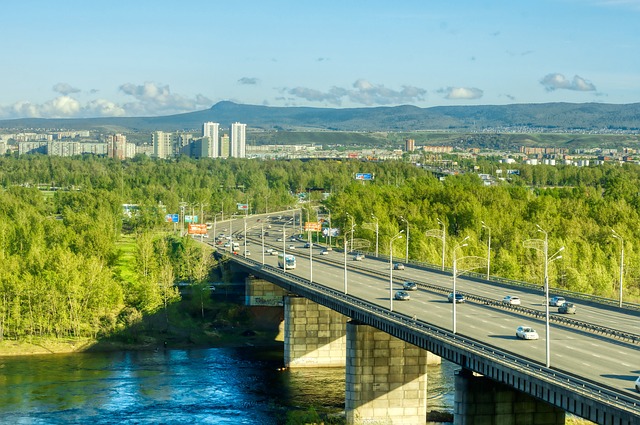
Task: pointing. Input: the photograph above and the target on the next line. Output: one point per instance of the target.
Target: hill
(530, 117)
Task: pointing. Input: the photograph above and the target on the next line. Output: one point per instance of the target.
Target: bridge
(341, 312)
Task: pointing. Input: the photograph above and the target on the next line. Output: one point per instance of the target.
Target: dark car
(567, 308)
(459, 298)
(410, 286)
(402, 296)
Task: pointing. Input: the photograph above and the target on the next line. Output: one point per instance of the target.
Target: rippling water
(204, 386)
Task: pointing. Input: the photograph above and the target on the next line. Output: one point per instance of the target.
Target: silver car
(526, 332)
(402, 296)
(511, 300)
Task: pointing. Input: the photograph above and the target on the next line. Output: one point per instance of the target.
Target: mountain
(551, 116)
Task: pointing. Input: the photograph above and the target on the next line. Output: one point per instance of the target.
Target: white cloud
(457, 93)
(558, 81)
(150, 99)
(363, 92)
(65, 89)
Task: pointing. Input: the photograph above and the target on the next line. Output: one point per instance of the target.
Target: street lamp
(444, 235)
(535, 244)
(398, 236)
(245, 235)
(329, 227)
(406, 257)
(345, 265)
(617, 236)
(455, 272)
(440, 234)
(310, 255)
(284, 245)
(353, 226)
(262, 239)
(376, 219)
(489, 249)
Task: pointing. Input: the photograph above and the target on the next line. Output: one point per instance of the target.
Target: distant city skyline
(75, 59)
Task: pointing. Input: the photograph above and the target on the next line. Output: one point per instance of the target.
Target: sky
(77, 59)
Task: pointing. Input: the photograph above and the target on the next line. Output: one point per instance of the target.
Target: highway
(608, 361)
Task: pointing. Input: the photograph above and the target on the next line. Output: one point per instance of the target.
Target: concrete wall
(263, 293)
(482, 401)
(386, 378)
(314, 335)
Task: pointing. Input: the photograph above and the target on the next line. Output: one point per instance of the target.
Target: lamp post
(489, 249)
(245, 235)
(398, 236)
(617, 236)
(443, 242)
(353, 226)
(215, 222)
(455, 272)
(310, 256)
(345, 265)
(376, 219)
(329, 226)
(440, 234)
(535, 244)
(284, 245)
(406, 257)
(262, 238)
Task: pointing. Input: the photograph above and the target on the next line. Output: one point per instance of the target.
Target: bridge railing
(367, 312)
(481, 277)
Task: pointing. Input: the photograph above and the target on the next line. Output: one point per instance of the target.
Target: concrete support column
(314, 335)
(482, 401)
(259, 292)
(386, 378)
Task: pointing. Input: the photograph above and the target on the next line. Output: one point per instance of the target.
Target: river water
(199, 386)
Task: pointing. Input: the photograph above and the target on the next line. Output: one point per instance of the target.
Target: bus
(287, 261)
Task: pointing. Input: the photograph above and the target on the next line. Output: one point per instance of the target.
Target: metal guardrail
(586, 388)
(522, 284)
(567, 321)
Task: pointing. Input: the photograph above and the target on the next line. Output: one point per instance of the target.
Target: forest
(62, 250)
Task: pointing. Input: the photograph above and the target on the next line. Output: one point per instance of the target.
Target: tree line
(66, 269)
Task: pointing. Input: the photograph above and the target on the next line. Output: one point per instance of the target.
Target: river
(203, 386)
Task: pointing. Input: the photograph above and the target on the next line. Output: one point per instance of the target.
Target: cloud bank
(552, 82)
(361, 92)
(464, 93)
(149, 99)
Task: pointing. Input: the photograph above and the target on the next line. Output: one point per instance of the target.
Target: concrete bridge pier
(386, 378)
(314, 335)
(483, 401)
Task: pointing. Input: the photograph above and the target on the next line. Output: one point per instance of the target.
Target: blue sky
(97, 58)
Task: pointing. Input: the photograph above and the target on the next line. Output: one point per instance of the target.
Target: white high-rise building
(210, 130)
(162, 144)
(237, 140)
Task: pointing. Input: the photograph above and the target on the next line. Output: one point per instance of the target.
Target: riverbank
(233, 337)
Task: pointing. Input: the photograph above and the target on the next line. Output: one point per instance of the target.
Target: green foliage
(74, 265)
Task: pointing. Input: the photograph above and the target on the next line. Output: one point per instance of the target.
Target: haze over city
(152, 58)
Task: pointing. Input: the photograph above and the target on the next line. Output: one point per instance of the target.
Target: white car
(557, 301)
(358, 257)
(324, 252)
(279, 240)
(511, 300)
(526, 332)
(638, 384)
(292, 247)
